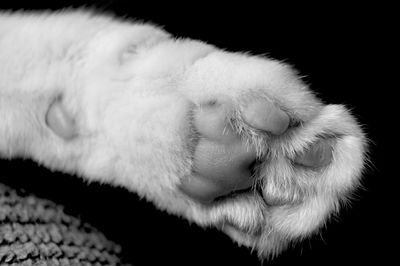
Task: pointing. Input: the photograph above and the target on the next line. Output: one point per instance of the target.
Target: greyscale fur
(131, 88)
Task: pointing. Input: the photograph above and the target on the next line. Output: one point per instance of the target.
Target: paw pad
(265, 116)
(318, 155)
(60, 121)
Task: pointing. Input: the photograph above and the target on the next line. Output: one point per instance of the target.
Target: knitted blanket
(34, 231)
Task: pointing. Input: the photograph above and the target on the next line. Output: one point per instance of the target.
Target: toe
(264, 115)
(317, 155)
(60, 122)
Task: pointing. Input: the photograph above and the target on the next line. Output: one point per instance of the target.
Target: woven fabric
(34, 231)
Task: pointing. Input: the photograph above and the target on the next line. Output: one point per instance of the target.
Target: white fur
(131, 87)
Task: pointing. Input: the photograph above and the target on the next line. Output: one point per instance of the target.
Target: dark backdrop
(340, 50)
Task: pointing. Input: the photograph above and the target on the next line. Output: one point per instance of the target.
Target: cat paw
(267, 179)
(271, 163)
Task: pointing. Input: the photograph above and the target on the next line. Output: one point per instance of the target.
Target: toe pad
(317, 155)
(264, 115)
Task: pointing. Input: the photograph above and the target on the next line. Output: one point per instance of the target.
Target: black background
(342, 51)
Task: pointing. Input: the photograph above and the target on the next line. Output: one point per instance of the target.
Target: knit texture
(34, 231)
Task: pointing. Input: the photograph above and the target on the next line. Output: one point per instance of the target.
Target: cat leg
(267, 167)
(223, 139)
